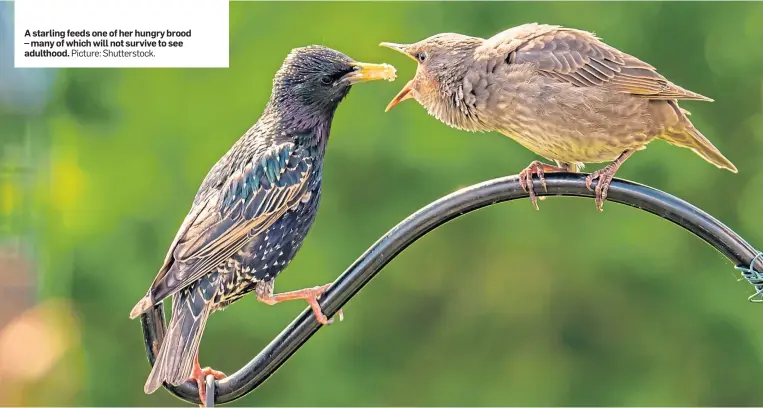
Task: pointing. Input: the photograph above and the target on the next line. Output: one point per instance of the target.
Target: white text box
(121, 33)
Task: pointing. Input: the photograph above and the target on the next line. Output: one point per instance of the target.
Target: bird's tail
(144, 304)
(692, 138)
(174, 364)
(686, 135)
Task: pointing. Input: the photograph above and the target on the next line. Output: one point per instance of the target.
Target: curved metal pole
(468, 199)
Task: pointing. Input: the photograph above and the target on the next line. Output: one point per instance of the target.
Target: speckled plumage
(254, 208)
(560, 92)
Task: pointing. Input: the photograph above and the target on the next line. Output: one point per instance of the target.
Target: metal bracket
(210, 384)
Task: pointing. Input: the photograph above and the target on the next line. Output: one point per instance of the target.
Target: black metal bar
(739, 252)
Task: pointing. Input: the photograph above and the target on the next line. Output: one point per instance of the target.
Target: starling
(560, 92)
(253, 210)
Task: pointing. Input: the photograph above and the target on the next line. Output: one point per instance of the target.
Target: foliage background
(506, 306)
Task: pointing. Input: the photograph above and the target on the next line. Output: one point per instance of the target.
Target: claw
(312, 300)
(199, 376)
(588, 181)
(526, 179)
(601, 187)
(605, 176)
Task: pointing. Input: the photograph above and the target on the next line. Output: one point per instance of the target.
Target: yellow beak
(370, 72)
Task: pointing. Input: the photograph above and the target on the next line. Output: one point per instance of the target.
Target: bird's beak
(405, 93)
(401, 48)
(370, 72)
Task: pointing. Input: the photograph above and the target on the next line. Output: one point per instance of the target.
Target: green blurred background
(505, 306)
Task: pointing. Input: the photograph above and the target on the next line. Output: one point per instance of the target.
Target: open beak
(401, 48)
(405, 93)
(370, 72)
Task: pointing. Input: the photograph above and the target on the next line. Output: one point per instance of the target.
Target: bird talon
(601, 191)
(523, 181)
(317, 311)
(526, 179)
(589, 180)
(604, 177)
(322, 319)
(219, 375)
(541, 177)
(199, 375)
(526, 182)
(534, 200)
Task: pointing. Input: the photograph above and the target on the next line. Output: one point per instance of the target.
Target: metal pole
(262, 366)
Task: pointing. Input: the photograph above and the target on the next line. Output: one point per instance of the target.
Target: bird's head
(317, 78)
(442, 62)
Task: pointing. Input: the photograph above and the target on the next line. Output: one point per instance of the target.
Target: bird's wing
(250, 201)
(580, 58)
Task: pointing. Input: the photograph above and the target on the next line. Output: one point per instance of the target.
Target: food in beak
(370, 72)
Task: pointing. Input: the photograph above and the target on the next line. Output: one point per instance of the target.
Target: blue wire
(754, 277)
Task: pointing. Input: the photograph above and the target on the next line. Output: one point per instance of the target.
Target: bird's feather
(582, 59)
(247, 203)
(190, 310)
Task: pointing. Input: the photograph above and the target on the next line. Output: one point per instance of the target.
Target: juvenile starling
(253, 210)
(559, 92)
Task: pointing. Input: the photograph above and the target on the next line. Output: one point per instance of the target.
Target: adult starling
(253, 210)
(559, 92)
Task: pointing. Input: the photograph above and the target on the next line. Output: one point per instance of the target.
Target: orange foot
(310, 295)
(199, 375)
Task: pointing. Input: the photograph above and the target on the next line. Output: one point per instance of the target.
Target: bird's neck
(455, 106)
(452, 103)
(307, 128)
(462, 56)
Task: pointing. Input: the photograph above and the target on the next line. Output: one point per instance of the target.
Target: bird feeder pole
(745, 258)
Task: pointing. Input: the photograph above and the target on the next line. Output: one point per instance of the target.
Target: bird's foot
(605, 176)
(312, 300)
(199, 375)
(310, 295)
(526, 178)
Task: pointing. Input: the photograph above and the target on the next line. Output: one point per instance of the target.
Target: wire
(463, 201)
(754, 277)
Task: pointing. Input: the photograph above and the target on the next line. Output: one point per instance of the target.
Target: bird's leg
(526, 178)
(567, 166)
(605, 175)
(310, 295)
(200, 374)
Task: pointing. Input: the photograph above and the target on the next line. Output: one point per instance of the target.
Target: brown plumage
(559, 92)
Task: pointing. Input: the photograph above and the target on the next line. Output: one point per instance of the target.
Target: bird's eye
(327, 80)
(422, 56)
